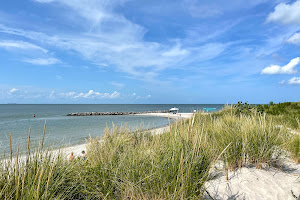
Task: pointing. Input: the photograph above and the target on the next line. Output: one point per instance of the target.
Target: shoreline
(76, 149)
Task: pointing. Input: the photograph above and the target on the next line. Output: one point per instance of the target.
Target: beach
(252, 183)
(247, 182)
(77, 149)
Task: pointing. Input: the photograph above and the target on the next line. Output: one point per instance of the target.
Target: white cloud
(202, 10)
(141, 97)
(112, 39)
(52, 95)
(31, 94)
(44, 1)
(91, 94)
(12, 44)
(12, 91)
(114, 95)
(286, 13)
(116, 84)
(205, 9)
(286, 69)
(67, 94)
(282, 82)
(59, 77)
(43, 61)
(294, 81)
(295, 39)
(175, 51)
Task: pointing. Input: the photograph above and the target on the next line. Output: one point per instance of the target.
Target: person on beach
(83, 155)
(71, 156)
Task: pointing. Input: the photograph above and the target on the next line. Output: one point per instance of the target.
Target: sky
(149, 51)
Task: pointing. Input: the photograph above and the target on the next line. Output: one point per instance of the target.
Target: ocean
(63, 130)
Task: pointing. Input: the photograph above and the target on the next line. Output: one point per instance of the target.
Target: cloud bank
(91, 95)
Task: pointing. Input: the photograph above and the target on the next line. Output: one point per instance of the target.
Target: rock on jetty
(114, 113)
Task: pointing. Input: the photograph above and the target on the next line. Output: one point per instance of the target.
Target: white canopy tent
(174, 110)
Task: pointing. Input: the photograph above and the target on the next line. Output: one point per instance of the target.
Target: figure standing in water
(34, 115)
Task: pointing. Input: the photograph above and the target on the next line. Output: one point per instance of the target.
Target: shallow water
(62, 130)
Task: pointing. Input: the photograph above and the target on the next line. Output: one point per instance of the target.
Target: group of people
(83, 156)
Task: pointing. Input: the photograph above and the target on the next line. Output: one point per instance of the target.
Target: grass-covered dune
(173, 165)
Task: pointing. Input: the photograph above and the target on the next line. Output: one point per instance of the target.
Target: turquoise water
(62, 130)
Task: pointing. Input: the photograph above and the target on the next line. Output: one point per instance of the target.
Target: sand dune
(251, 183)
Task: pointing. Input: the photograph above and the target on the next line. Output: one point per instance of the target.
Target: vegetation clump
(286, 113)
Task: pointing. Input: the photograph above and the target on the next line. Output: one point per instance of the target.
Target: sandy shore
(251, 183)
(170, 115)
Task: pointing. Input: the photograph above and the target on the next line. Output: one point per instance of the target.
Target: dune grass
(139, 165)
(123, 165)
(143, 166)
(41, 176)
(293, 146)
(253, 139)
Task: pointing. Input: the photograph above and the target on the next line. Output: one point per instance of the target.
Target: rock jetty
(114, 113)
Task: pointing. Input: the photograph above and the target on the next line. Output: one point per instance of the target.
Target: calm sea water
(64, 130)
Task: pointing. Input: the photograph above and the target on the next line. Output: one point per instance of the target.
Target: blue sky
(145, 51)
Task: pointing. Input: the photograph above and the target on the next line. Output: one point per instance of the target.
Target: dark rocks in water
(114, 113)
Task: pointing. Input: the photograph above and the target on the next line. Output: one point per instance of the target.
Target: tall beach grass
(140, 165)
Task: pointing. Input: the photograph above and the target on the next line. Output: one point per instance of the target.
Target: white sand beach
(251, 183)
(170, 115)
